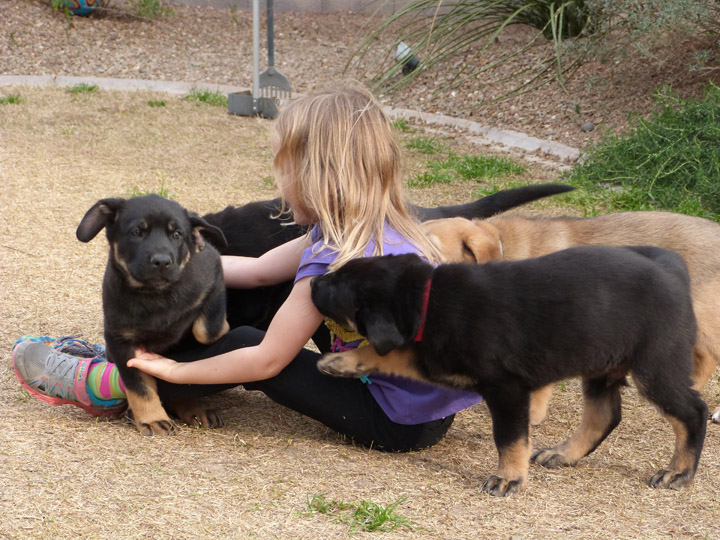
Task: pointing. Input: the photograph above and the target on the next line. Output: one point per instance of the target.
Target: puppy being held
(505, 329)
(162, 281)
(697, 240)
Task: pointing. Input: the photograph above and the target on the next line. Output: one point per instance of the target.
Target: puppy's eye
(177, 235)
(137, 232)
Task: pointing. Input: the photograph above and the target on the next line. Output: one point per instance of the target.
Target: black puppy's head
(379, 297)
(151, 238)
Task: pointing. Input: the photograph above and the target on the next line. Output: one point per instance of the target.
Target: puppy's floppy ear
(210, 232)
(483, 242)
(382, 332)
(100, 215)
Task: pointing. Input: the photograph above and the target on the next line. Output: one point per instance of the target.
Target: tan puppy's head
(464, 240)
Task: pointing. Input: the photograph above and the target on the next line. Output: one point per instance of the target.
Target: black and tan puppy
(162, 281)
(504, 329)
(511, 238)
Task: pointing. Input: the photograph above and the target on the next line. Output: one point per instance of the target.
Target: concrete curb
(168, 87)
(487, 135)
(504, 137)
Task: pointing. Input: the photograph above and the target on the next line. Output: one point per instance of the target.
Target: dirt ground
(67, 475)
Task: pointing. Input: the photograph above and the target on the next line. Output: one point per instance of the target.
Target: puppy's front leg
(366, 360)
(509, 410)
(147, 411)
(539, 401)
(144, 403)
(211, 324)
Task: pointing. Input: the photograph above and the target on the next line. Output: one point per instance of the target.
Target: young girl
(337, 169)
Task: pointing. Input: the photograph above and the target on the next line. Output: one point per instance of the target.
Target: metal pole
(256, 52)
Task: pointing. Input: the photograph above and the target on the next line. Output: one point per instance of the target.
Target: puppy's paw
(149, 428)
(503, 487)
(195, 414)
(666, 479)
(341, 365)
(551, 458)
(206, 418)
(715, 417)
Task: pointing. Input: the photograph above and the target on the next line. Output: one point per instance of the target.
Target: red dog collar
(423, 314)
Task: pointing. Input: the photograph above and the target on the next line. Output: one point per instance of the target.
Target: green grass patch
(210, 97)
(425, 145)
(163, 191)
(432, 176)
(669, 161)
(11, 99)
(157, 103)
(82, 88)
(402, 125)
(465, 167)
(483, 167)
(151, 9)
(363, 515)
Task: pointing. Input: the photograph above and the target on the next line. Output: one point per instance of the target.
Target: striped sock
(104, 382)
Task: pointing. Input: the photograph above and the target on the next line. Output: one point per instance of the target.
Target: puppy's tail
(495, 203)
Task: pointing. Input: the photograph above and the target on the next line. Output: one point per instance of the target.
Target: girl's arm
(291, 328)
(275, 266)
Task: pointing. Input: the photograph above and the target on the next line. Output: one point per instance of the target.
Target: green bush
(669, 161)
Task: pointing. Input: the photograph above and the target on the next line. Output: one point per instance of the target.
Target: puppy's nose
(160, 261)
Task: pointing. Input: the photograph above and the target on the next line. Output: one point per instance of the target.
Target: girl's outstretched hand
(153, 364)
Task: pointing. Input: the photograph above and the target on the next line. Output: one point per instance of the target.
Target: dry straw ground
(67, 475)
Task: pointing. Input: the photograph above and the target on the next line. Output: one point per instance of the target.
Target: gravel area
(211, 45)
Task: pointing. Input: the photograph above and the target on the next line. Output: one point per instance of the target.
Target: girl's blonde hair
(339, 152)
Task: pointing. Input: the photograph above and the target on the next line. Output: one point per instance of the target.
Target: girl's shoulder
(316, 257)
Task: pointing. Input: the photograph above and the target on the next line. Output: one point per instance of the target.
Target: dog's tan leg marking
(705, 358)
(195, 414)
(512, 471)
(366, 360)
(703, 367)
(148, 413)
(682, 466)
(200, 331)
(597, 417)
(539, 401)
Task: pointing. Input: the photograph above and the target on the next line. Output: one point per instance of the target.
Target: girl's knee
(240, 337)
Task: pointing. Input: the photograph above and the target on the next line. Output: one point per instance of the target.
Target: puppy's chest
(153, 315)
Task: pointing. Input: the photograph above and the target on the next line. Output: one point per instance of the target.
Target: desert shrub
(437, 31)
(669, 161)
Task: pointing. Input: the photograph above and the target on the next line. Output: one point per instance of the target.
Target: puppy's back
(585, 304)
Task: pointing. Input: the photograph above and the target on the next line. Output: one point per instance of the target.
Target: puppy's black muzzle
(160, 262)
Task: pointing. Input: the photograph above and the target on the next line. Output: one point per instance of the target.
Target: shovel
(273, 84)
(253, 103)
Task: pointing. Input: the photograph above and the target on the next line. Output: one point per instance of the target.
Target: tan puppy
(697, 240)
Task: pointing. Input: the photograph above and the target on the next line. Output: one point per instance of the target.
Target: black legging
(344, 405)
